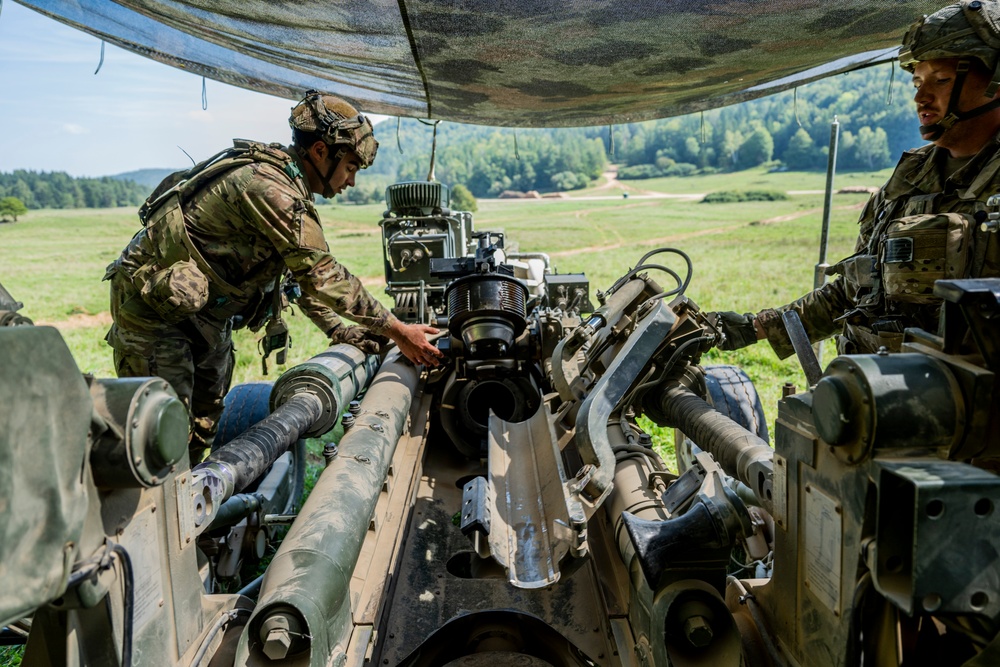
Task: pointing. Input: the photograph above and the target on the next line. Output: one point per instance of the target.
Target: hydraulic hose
(738, 451)
(248, 456)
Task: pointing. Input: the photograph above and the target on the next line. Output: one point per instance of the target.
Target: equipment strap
(163, 214)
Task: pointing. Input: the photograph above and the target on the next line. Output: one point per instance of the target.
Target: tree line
(490, 160)
(790, 129)
(60, 190)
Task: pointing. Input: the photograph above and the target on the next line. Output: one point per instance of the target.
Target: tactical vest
(891, 282)
(181, 282)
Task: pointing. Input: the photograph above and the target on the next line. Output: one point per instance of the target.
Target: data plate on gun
(823, 547)
(185, 509)
(780, 491)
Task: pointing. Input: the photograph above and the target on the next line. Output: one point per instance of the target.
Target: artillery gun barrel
(304, 602)
(738, 451)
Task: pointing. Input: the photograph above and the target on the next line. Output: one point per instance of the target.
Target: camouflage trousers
(198, 367)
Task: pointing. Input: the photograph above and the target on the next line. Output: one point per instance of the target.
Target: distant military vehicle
(507, 508)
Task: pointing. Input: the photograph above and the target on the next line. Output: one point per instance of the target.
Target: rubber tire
(245, 405)
(731, 392)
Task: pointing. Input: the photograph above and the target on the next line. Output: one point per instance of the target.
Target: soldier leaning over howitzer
(922, 225)
(217, 243)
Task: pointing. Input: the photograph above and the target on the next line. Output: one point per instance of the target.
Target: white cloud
(73, 128)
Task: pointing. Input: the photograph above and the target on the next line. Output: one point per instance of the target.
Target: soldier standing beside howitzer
(922, 225)
(217, 243)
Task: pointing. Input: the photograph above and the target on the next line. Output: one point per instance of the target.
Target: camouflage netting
(507, 62)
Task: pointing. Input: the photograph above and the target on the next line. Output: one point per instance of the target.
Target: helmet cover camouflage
(966, 29)
(338, 124)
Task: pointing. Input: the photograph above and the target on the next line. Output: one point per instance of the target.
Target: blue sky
(56, 115)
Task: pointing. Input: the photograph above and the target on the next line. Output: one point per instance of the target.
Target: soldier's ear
(319, 150)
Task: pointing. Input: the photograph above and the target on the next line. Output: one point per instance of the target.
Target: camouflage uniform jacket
(250, 224)
(902, 248)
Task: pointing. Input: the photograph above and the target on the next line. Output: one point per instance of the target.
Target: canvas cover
(44, 422)
(539, 63)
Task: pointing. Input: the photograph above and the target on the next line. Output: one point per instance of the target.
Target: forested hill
(790, 130)
(60, 190)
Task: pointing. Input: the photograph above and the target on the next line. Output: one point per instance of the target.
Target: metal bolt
(330, 452)
(278, 636)
(354, 407)
(347, 420)
(362, 459)
(277, 643)
(378, 428)
(698, 631)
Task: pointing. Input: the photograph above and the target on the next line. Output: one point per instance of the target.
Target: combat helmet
(337, 123)
(964, 30)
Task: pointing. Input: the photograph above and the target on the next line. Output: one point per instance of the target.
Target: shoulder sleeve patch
(293, 171)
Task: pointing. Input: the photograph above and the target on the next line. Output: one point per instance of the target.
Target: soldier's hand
(738, 330)
(413, 343)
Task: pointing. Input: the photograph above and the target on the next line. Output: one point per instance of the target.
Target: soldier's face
(343, 175)
(934, 80)
(325, 178)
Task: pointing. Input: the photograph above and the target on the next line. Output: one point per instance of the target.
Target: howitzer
(508, 507)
